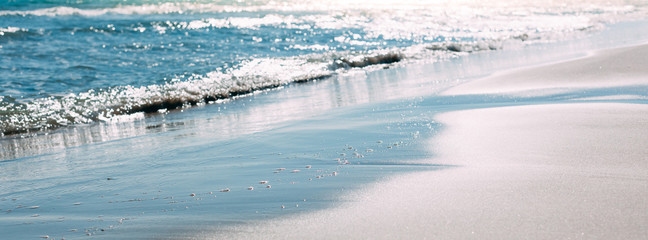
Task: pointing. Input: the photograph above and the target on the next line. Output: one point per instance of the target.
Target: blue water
(68, 63)
(115, 112)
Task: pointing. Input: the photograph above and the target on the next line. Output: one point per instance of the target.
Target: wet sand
(564, 170)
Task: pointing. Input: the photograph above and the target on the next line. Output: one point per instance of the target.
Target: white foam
(126, 118)
(10, 30)
(407, 20)
(249, 76)
(468, 26)
(458, 8)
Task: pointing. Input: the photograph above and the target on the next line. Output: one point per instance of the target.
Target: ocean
(90, 61)
(123, 118)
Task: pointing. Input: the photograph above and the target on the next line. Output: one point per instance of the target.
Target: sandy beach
(607, 68)
(569, 170)
(292, 119)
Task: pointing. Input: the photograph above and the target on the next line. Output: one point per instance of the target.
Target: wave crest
(145, 9)
(105, 104)
(12, 31)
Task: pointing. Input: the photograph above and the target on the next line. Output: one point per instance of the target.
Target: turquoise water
(77, 62)
(116, 112)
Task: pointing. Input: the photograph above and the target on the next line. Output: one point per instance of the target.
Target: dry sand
(552, 171)
(609, 68)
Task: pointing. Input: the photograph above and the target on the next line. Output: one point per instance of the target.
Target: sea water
(153, 118)
(72, 62)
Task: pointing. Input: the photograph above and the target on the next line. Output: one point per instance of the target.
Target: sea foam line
(105, 104)
(250, 76)
(452, 7)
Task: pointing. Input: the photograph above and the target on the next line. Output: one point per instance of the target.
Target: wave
(409, 32)
(12, 32)
(250, 76)
(596, 7)
(145, 9)
(105, 104)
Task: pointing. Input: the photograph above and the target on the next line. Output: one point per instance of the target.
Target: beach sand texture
(607, 68)
(290, 119)
(551, 171)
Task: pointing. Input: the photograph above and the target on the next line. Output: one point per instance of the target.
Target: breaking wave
(248, 77)
(314, 39)
(133, 7)
(105, 104)
(12, 31)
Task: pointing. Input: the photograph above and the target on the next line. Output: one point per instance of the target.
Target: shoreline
(559, 170)
(599, 69)
(387, 123)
